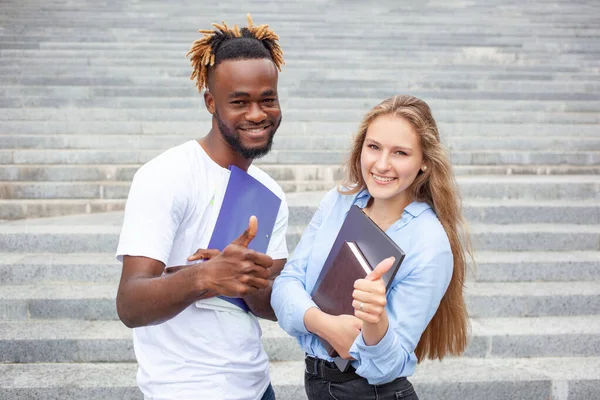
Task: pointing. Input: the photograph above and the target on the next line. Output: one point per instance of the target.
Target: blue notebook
(244, 197)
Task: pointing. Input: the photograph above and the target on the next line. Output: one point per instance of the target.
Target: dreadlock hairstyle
(224, 43)
(436, 186)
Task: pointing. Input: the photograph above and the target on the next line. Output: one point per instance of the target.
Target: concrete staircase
(89, 91)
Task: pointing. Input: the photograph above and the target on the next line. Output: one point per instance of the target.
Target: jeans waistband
(328, 371)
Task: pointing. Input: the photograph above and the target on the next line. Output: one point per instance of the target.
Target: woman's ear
(424, 168)
(209, 102)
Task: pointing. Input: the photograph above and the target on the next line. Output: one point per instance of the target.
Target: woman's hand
(370, 301)
(339, 331)
(343, 330)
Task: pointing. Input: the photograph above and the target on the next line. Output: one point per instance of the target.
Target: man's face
(243, 99)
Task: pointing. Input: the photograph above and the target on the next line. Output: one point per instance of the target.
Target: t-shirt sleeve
(152, 215)
(277, 248)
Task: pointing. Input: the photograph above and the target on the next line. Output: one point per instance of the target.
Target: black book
(334, 286)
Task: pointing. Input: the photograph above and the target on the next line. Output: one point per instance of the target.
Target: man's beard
(233, 138)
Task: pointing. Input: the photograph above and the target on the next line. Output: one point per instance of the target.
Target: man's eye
(269, 100)
(238, 102)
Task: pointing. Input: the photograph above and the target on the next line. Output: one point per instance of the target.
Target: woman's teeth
(382, 178)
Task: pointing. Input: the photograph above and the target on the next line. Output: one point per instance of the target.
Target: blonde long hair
(448, 329)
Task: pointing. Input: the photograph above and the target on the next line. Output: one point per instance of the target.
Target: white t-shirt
(201, 353)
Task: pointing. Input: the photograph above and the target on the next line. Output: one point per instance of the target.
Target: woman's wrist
(313, 318)
(373, 333)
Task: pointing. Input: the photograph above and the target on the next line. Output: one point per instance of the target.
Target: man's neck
(222, 153)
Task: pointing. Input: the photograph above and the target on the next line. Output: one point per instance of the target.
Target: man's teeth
(382, 179)
(255, 130)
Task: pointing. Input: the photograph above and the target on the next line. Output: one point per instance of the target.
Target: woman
(399, 174)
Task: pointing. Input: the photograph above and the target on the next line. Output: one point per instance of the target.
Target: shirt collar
(415, 208)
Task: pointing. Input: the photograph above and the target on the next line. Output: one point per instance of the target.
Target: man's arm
(260, 302)
(146, 297)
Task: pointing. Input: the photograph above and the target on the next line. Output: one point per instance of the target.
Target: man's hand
(200, 254)
(239, 271)
(204, 254)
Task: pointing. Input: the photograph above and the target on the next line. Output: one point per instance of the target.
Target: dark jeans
(269, 394)
(319, 389)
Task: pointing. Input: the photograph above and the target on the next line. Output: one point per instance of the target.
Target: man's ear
(209, 102)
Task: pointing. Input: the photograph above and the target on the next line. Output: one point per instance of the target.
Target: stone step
(411, 73)
(110, 190)
(294, 52)
(282, 172)
(510, 266)
(75, 341)
(470, 32)
(536, 266)
(352, 89)
(489, 300)
(343, 89)
(99, 233)
(531, 299)
(303, 205)
(199, 128)
(478, 61)
(482, 187)
(83, 236)
(403, 71)
(572, 378)
(290, 142)
(300, 156)
(18, 99)
(475, 211)
(73, 114)
(522, 89)
(43, 208)
(53, 65)
(430, 42)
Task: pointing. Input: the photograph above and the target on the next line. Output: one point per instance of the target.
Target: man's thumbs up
(250, 233)
(383, 267)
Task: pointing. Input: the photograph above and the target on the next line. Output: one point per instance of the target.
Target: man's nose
(256, 113)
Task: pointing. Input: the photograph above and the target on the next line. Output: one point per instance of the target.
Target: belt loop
(316, 369)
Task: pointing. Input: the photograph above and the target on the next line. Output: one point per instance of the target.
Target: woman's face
(391, 157)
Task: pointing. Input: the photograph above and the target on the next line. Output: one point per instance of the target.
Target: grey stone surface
(472, 187)
(532, 299)
(464, 379)
(513, 299)
(514, 89)
(536, 266)
(486, 237)
(41, 208)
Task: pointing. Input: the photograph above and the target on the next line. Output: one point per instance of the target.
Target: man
(190, 344)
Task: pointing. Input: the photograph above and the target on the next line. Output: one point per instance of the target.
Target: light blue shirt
(412, 299)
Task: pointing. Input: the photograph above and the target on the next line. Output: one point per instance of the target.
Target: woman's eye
(374, 147)
(400, 152)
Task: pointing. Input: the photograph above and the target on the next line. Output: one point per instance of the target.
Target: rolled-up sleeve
(412, 302)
